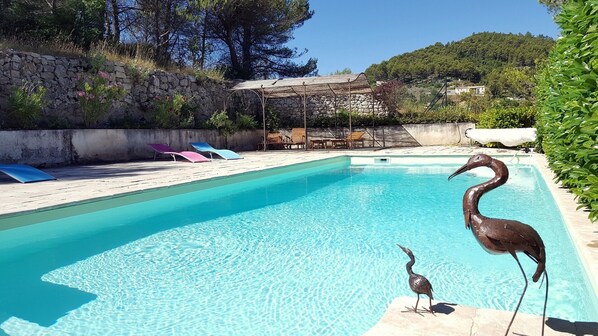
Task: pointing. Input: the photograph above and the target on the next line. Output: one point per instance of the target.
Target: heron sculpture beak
(404, 248)
(463, 169)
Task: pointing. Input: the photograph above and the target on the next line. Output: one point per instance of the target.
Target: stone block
(60, 70)
(47, 75)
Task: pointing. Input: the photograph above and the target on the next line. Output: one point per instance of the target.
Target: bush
(272, 120)
(510, 117)
(222, 123)
(245, 122)
(25, 105)
(166, 111)
(567, 98)
(450, 113)
(97, 96)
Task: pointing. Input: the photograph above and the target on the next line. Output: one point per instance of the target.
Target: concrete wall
(440, 134)
(63, 147)
(44, 148)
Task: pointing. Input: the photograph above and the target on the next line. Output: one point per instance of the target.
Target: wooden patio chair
(355, 138)
(298, 137)
(277, 140)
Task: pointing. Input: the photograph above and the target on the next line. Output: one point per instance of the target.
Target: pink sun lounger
(166, 150)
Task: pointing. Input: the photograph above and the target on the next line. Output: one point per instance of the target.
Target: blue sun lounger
(24, 173)
(204, 147)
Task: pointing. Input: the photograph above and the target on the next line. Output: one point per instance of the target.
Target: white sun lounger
(509, 137)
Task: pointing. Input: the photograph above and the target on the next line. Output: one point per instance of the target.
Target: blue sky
(355, 34)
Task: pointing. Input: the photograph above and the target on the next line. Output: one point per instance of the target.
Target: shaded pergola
(334, 85)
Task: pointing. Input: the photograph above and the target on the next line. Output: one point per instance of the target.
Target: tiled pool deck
(80, 183)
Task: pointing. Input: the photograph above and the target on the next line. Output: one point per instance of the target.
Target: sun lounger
(509, 137)
(24, 173)
(204, 147)
(166, 150)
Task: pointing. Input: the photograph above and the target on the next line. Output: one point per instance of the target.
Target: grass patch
(136, 58)
(43, 47)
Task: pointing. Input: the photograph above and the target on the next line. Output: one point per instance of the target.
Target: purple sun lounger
(24, 173)
(166, 150)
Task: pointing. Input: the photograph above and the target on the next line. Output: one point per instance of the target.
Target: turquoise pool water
(309, 252)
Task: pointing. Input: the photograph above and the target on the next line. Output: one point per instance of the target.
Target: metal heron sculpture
(418, 283)
(501, 235)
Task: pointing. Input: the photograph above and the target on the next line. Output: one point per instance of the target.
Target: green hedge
(567, 93)
(509, 117)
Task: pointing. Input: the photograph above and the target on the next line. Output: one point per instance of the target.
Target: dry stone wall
(317, 106)
(63, 76)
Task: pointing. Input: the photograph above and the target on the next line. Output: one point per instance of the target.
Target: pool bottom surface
(284, 262)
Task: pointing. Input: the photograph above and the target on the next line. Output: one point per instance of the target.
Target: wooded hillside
(469, 59)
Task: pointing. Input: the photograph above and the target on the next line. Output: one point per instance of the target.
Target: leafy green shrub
(222, 123)
(136, 73)
(272, 120)
(166, 111)
(450, 113)
(25, 105)
(97, 96)
(245, 122)
(446, 114)
(510, 117)
(567, 93)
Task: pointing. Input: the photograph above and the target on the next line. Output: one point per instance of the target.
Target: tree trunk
(204, 36)
(115, 22)
(247, 70)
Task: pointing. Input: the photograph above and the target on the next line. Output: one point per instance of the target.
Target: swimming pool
(310, 251)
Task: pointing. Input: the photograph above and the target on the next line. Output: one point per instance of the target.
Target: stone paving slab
(456, 320)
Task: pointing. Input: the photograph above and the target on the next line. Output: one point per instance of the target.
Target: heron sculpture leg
(522, 294)
(431, 311)
(416, 302)
(545, 301)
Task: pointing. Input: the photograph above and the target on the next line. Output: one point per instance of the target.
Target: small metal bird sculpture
(501, 235)
(418, 283)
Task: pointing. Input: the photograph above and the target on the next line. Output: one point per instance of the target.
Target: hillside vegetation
(470, 59)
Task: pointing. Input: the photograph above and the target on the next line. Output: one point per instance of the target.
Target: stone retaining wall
(63, 76)
(316, 106)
